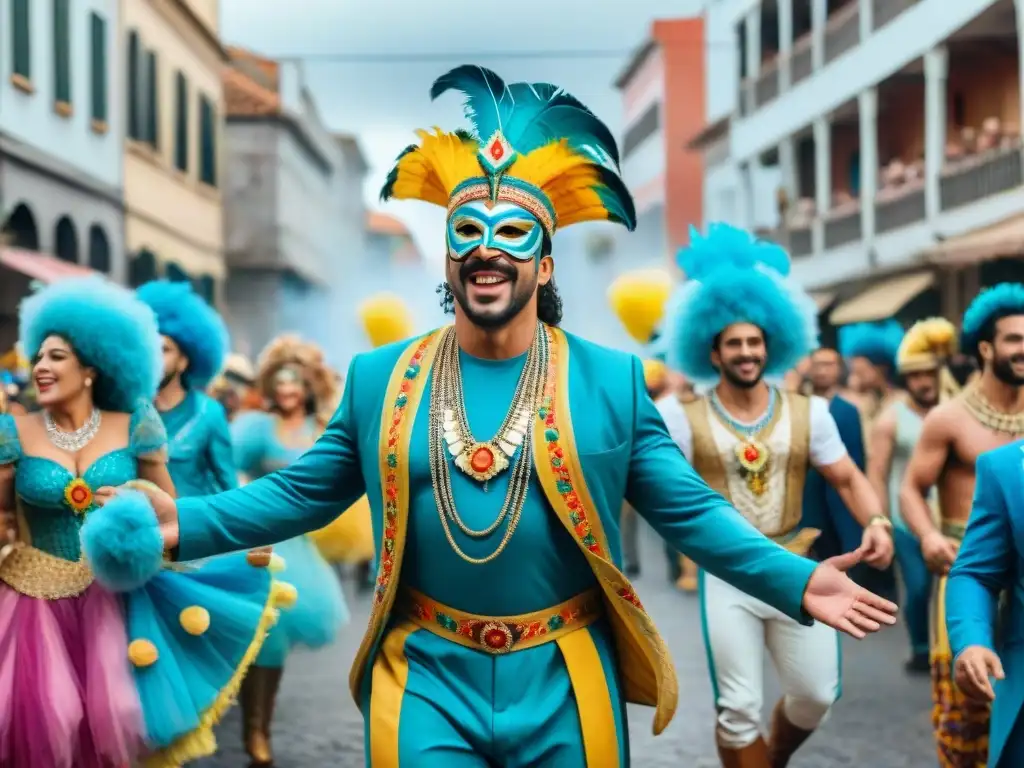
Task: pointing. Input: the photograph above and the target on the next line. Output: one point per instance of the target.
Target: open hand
(973, 669)
(163, 504)
(877, 546)
(833, 598)
(938, 552)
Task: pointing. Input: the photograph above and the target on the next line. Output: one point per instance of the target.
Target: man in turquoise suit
(991, 555)
(503, 631)
(195, 343)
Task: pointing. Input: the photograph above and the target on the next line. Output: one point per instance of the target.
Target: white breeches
(737, 630)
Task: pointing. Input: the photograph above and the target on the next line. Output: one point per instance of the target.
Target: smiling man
(988, 414)
(737, 320)
(497, 454)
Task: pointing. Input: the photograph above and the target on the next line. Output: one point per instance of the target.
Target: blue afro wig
(990, 305)
(878, 343)
(734, 278)
(195, 326)
(109, 329)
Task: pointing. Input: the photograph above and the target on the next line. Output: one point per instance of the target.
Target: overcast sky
(383, 103)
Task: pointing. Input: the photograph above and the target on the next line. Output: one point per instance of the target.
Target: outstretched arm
(983, 567)
(303, 497)
(698, 522)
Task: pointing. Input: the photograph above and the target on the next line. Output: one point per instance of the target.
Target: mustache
(471, 266)
(744, 360)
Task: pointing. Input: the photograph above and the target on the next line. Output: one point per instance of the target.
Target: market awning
(41, 266)
(1004, 238)
(882, 300)
(823, 299)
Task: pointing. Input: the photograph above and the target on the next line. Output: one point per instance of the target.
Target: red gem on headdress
(481, 460)
(497, 150)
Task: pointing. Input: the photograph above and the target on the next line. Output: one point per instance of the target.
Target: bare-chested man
(988, 414)
(921, 361)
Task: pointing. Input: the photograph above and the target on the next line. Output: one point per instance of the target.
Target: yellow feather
(440, 163)
(386, 319)
(927, 342)
(638, 300)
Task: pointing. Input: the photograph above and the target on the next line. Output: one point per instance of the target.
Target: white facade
(59, 162)
(842, 76)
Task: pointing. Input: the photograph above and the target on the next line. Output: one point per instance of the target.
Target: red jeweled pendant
(497, 151)
(482, 459)
(751, 454)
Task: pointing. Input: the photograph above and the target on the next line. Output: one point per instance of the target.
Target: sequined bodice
(54, 502)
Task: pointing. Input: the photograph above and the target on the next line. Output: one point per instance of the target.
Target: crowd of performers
(914, 409)
(104, 668)
(139, 594)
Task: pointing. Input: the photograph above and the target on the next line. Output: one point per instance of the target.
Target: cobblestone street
(882, 720)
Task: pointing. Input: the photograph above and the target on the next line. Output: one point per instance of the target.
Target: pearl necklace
(72, 442)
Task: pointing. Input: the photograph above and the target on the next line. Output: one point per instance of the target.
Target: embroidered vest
(776, 512)
(648, 674)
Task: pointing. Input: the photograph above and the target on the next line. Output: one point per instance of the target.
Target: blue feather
(878, 342)
(1002, 300)
(529, 115)
(725, 247)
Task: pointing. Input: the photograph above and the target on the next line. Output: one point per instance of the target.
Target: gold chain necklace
(990, 416)
(484, 459)
(445, 397)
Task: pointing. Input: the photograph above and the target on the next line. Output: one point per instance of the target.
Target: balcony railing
(902, 210)
(884, 11)
(980, 177)
(842, 31)
(767, 86)
(800, 62)
(842, 229)
(746, 97)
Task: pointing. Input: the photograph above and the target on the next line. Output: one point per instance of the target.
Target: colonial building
(293, 205)
(60, 147)
(172, 168)
(895, 131)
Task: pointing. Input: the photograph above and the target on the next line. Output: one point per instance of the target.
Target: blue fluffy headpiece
(109, 329)
(1000, 300)
(879, 342)
(734, 278)
(194, 325)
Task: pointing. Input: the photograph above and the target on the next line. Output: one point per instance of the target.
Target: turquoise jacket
(199, 455)
(612, 447)
(991, 560)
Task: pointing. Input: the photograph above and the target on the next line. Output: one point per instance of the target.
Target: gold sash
(648, 674)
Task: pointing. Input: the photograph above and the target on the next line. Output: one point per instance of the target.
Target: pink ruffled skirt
(67, 695)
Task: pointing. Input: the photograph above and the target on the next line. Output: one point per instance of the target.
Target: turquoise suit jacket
(624, 452)
(199, 453)
(991, 559)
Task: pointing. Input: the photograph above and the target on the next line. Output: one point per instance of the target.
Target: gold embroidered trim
(35, 573)
(506, 194)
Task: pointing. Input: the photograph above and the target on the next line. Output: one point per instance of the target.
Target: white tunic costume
(738, 629)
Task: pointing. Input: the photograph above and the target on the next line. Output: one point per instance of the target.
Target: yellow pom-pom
(285, 594)
(195, 619)
(142, 653)
(276, 564)
(639, 299)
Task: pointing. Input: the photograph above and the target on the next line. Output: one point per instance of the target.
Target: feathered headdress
(998, 301)
(531, 144)
(734, 278)
(876, 342)
(308, 359)
(194, 325)
(386, 319)
(927, 345)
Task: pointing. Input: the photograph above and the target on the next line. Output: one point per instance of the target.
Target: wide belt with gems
(502, 634)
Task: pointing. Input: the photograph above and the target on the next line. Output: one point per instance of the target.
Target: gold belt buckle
(496, 637)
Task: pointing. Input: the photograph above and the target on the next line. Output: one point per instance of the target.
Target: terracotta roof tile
(243, 96)
(385, 224)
